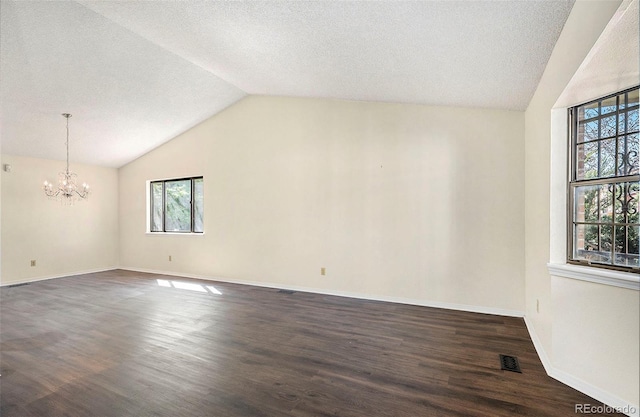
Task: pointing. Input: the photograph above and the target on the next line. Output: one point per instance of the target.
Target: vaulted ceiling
(136, 74)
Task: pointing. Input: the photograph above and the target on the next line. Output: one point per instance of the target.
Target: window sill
(173, 234)
(627, 280)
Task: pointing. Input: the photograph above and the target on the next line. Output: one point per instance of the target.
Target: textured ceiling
(136, 74)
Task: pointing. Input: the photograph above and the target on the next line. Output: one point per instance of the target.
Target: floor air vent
(509, 363)
(286, 291)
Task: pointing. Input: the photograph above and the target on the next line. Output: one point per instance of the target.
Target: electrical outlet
(323, 271)
(169, 258)
(33, 262)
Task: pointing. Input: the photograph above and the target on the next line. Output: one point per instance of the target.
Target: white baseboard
(596, 393)
(400, 300)
(592, 391)
(542, 354)
(45, 278)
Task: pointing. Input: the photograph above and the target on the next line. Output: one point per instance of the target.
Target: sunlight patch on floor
(181, 285)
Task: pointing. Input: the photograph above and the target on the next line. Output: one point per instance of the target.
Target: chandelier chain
(67, 115)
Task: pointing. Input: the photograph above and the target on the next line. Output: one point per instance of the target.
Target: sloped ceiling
(613, 64)
(136, 74)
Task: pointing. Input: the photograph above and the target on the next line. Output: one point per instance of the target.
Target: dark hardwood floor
(120, 343)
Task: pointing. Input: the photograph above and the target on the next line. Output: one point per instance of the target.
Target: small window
(177, 205)
(604, 183)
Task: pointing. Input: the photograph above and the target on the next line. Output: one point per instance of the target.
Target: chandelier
(67, 190)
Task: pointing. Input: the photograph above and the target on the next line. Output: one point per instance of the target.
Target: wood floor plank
(122, 343)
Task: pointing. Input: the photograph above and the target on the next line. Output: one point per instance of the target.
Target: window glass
(605, 183)
(156, 207)
(177, 216)
(198, 205)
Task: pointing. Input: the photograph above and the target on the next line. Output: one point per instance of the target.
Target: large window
(177, 205)
(604, 183)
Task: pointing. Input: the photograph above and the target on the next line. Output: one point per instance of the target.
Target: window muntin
(177, 205)
(604, 182)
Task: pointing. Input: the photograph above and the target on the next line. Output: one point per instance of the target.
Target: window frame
(573, 183)
(192, 202)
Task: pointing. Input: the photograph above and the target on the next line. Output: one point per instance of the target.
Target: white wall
(596, 339)
(585, 23)
(2, 168)
(587, 334)
(403, 202)
(63, 240)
